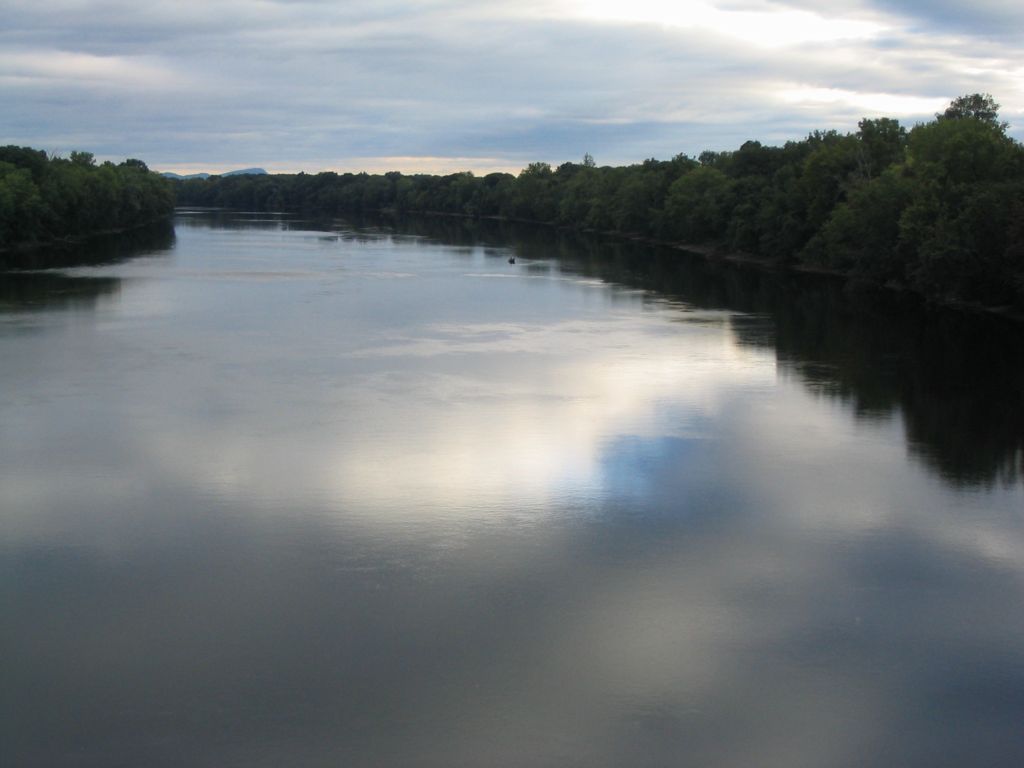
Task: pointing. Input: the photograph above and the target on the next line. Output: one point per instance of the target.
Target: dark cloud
(996, 18)
(989, 17)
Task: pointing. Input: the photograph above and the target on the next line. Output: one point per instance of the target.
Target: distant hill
(246, 172)
(169, 175)
(241, 172)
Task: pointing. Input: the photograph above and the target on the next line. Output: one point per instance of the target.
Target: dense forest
(43, 199)
(938, 208)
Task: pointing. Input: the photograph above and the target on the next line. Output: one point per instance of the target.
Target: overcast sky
(445, 85)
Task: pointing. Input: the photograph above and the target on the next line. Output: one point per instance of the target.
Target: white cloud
(42, 68)
(772, 28)
(887, 103)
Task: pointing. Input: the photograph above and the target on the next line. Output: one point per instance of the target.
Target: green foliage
(937, 209)
(82, 158)
(20, 204)
(976, 106)
(863, 233)
(533, 197)
(699, 204)
(882, 143)
(826, 176)
(34, 160)
(963, 246)
(44, 199)
(963, 151)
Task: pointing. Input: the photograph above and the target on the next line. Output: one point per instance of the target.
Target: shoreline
(81, 239)
(716, 252)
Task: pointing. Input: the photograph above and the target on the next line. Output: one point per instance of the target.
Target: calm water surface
(273, 494)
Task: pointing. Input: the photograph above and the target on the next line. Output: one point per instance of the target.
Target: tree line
(43, 198)
(938, 208)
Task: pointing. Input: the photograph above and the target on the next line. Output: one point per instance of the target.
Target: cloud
(992, 18)
(42, 68)
(314, 85)
(762, 26)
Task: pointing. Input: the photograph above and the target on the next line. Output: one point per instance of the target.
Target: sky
(450, 85)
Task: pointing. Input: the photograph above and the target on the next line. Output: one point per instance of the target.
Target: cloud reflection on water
(350, 519)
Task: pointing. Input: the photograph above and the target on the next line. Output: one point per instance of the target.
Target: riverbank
(53, 201)
(720, 252)
(885, 204)
(97, 247)
(71, 241)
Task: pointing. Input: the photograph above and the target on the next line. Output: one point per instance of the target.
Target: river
(443, 493)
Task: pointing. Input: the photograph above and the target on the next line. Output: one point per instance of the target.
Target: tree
(883, 142)
(715, 159)
(863, 233)
(826, 177)
(699, 204)
(964, 151)
(20, 205)
(34, 160)
(977, 106)
(45, 198)
(534, 197)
